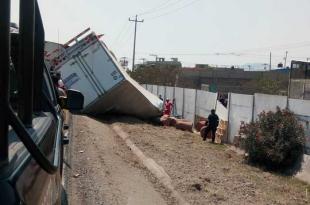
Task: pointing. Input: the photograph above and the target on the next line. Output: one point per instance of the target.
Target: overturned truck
(87, 65)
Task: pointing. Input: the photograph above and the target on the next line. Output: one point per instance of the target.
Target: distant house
(299, 86)
(162, 62)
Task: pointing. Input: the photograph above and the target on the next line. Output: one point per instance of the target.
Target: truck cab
(31, 120)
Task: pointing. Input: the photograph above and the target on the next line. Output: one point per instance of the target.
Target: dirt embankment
(103, 170)
(211, 174)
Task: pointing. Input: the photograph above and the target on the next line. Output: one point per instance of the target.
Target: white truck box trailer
(89, 66)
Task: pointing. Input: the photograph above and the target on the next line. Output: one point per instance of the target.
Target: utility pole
(134, 42)
(285, 59)
(270, 62)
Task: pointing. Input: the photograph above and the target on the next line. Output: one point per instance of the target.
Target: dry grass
(212, 174)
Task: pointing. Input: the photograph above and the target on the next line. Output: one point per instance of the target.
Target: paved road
(102, 170)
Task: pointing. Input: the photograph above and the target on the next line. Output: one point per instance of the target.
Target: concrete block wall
(190, 103)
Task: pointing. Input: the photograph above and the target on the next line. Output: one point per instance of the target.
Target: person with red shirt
(168, 107)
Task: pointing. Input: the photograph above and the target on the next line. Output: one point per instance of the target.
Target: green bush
(276, 140)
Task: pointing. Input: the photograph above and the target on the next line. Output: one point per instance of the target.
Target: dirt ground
(102, 170)
(205, 173)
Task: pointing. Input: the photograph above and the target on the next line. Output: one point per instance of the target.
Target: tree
(159, 75)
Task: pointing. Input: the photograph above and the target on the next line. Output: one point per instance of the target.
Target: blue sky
(221, 32)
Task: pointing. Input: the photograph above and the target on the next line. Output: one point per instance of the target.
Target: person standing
(60, 90)
(212, 124)
(60, 82)
(168, 107)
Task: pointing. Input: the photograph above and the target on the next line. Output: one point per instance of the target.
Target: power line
(125, 41)
(124, 36)
(207, 54)
(174, 10)
(220, 54)
(123, 28)
(276, 47)
(248, 52)
(159, 7)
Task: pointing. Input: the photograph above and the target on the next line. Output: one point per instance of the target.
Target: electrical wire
(129, 37)
(124, 41)
(174, 10)
(246, 52)
(128, 32)
(277, 47)
(238, 53)
(220, 54)
(159, 7)
(166, 6)
(124, 29)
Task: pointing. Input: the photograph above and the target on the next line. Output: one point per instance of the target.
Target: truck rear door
(75, 76)
(101, 64)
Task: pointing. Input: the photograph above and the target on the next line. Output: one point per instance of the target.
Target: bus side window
(13, 75)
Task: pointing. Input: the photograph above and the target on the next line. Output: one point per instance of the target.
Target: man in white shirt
(60, 82)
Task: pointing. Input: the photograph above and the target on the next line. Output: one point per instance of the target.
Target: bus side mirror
(74, 100)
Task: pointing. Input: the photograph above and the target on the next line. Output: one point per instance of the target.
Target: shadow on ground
(113, 118)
